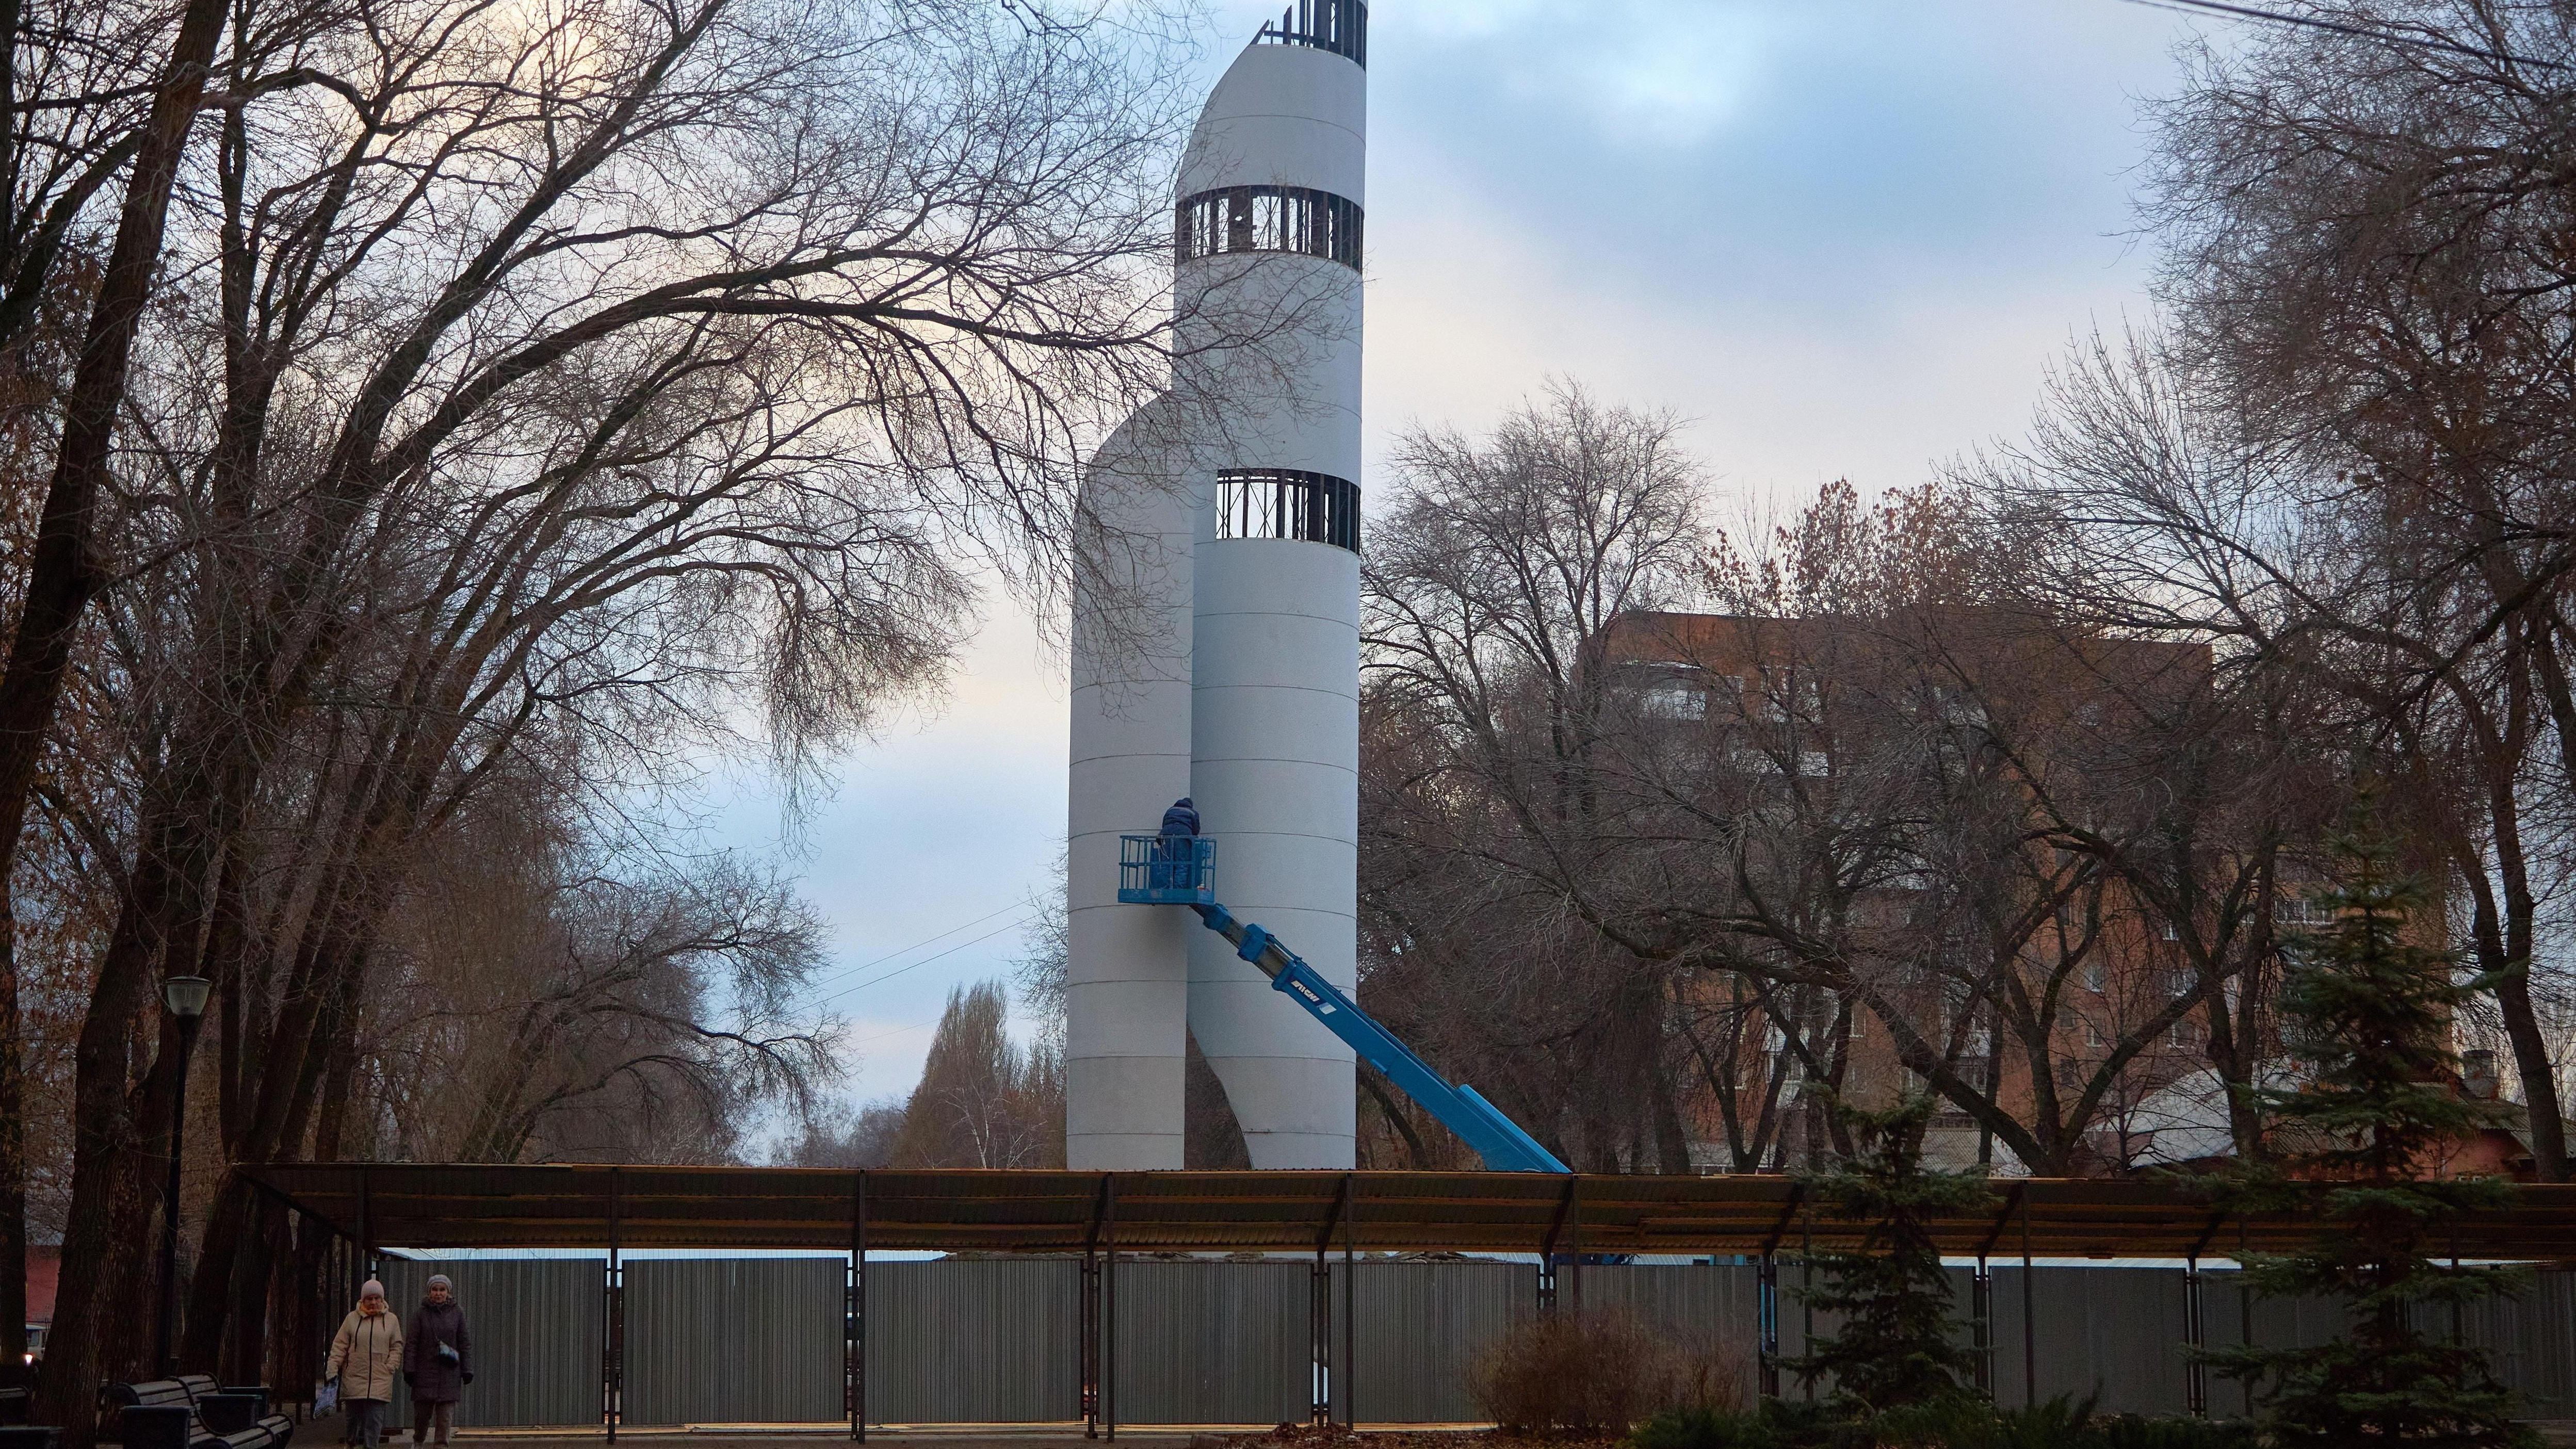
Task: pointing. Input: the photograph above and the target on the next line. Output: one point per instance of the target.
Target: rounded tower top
(1291, 111)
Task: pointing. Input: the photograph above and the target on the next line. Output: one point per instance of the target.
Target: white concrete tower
(1271, 197)
(1216, 628)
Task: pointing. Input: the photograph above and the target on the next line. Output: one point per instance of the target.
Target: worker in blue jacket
(1176, 866)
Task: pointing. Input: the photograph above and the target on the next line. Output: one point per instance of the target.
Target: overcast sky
(1844, 237)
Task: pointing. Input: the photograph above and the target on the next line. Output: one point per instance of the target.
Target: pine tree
(1895, 1349)
(2360, 1140)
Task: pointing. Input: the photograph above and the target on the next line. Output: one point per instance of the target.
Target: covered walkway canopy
(428, 1205)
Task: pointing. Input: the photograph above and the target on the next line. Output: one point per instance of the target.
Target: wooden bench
(191, 1412)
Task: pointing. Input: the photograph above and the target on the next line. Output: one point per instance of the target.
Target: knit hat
(371, 1289)
(439, 1280)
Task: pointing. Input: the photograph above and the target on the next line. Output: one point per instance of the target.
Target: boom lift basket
(1166, 870)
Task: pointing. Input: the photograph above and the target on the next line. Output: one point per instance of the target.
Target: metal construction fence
(1259, 1341)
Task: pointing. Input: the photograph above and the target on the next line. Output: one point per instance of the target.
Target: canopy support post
(2029, 1315)
(1350, 1300)
(854, 1347)
(612, 1373)
(1109, 1307)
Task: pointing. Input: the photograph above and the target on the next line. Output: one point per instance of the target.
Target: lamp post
(186, 997)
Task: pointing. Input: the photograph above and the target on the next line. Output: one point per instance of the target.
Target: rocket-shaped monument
(1216, 633)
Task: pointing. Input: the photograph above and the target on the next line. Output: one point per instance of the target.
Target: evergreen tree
(2361, 1143)
(1894, 1350)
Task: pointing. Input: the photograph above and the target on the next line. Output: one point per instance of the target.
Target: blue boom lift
(1180, 870)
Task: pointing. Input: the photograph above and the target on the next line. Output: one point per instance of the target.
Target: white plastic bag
(326, 1396)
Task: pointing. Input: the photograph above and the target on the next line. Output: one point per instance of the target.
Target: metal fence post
(1319, 1341)
(1350, 1384)
(1109, 1307)
(1766, 1314)
(1806, 1295)
(612, 1370)
(854, 1323)
(1981, 1310)
(1574, 1225)
(1087, 1309)
(2029, 1315)
(2196, 1374)
(2244, 1314)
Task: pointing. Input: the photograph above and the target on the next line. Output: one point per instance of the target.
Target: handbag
(326, 1396)
(447, 1354)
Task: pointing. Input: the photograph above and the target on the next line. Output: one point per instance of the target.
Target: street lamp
(186, 997)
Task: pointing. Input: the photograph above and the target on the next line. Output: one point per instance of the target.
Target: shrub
(1710, 1429)
(2128, 1431)
(1599, 1371)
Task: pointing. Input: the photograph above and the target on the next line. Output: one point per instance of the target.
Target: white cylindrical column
(1127, 967)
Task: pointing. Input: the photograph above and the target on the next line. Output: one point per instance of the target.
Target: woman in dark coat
(438, 1360)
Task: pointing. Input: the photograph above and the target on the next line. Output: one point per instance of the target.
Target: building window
(2302, 913)
(1673, 699)
(1340, 26)
(1288, 503)
(1269, 219)
(2097, 977)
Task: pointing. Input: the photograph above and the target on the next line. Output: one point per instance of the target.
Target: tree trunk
(62, 576)
(2539, 1082)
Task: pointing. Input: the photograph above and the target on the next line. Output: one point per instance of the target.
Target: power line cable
(926, 960)
(2341, 27)
(849, 971)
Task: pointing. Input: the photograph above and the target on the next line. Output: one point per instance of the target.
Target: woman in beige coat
(366, 1354)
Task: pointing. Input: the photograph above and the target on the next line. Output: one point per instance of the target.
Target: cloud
(1635, 73)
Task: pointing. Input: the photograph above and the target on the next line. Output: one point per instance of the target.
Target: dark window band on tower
(1268, 219)
(1288, 503)
(1340, 26)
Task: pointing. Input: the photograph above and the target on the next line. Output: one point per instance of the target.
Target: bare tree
(2370, 254)
(565, 391)
(1490, 578)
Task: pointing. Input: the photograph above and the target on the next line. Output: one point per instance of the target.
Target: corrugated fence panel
(2531, 1340)
(733, 1340)
(1420, 1327)
(2117, 1333)
(540, 1331)
(1712, 1313)
(1214, 1342)
(975, 1341)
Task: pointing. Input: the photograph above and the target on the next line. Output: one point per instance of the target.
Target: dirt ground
(325, 1434)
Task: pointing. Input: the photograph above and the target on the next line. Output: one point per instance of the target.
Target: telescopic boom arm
(1181, 871)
